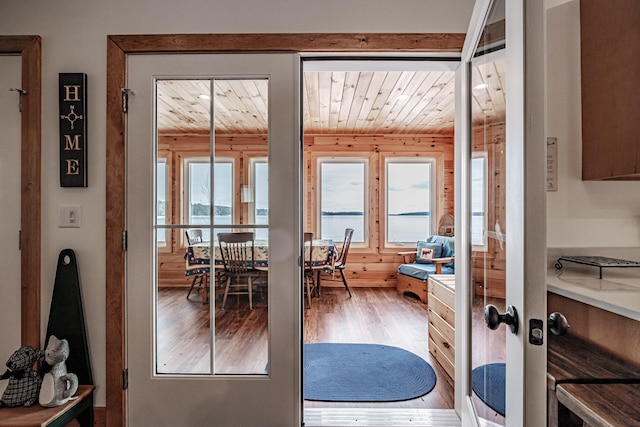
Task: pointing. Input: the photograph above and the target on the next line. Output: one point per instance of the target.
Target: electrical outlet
(69, 216)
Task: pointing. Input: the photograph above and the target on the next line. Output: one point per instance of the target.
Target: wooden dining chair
(309, 271)
(194, 236)
(237, 252)
(341, 262)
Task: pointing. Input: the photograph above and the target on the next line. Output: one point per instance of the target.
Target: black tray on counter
(597, 261)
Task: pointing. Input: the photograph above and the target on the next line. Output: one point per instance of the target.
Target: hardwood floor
(184, 334)
(372, 315)
(376, 316)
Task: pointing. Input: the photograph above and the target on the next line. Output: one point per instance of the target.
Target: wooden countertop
(603, 405)
(571, 359)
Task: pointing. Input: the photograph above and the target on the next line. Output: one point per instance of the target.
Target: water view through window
(408, 201)
(199, 204)
(342, 199)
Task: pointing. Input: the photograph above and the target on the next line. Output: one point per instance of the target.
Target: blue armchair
(436, 255)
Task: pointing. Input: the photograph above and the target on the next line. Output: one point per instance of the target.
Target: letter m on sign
(73, 129)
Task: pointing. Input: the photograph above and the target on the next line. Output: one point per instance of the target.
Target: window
(161, 201)
(478, 200)
(342, 198)
(198, 196)
(410, 200)
(260, 184)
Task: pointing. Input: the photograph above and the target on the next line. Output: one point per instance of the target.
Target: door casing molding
(30, 50)
(118, 47)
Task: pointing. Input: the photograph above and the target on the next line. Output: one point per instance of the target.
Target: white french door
(10, 196)
(501, 217)
(264, 387)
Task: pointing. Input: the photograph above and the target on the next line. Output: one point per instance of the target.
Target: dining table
(198, 256)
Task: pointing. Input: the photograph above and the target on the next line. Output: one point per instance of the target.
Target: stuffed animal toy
(24, 381)
(58, 386)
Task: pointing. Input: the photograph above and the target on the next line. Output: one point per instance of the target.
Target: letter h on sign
(73, 129)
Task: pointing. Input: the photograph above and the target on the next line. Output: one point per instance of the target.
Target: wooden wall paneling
(376, 215)
(248, 146)
(309, 186)
(118, 46)
(381, 180)
(600, 327)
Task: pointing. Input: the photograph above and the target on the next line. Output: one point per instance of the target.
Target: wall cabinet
(610, 60)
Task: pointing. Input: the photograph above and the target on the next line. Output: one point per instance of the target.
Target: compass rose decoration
(73, 129)
(72, 116)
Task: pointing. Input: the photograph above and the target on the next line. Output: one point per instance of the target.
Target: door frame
(118, 47)
(30, 50)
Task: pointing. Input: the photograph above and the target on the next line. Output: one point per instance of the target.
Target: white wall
(580, 214)
(74, 36)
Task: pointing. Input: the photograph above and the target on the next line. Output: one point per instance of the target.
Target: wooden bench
(59, 416)
(418, 287)
(571, 360)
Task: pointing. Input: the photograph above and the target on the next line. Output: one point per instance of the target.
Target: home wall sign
(73, 129)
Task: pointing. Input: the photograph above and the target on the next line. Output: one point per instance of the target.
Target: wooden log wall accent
(371, 266)
(489, 267)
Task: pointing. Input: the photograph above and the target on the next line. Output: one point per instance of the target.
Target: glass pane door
(209, 330)
(209, 134)
(488, 216)
(503, 186)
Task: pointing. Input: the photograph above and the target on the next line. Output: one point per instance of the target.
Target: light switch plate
(69, 216)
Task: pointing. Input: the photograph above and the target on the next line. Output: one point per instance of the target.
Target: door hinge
(125, 99)
(125, 379)
(21, 92)
(124, 241)
(19, 240)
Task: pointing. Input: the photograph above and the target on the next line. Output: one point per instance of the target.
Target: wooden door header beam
(293, 42)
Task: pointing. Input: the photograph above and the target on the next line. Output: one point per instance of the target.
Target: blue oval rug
(336, 372)
(488, 382)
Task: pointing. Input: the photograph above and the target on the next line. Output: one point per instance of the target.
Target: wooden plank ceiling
(346, 103)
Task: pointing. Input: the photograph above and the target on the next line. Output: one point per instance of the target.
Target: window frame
(185, 193)
(168, 208)
(433, 199)
(366, 160)
(253, 160)
(485, 156)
